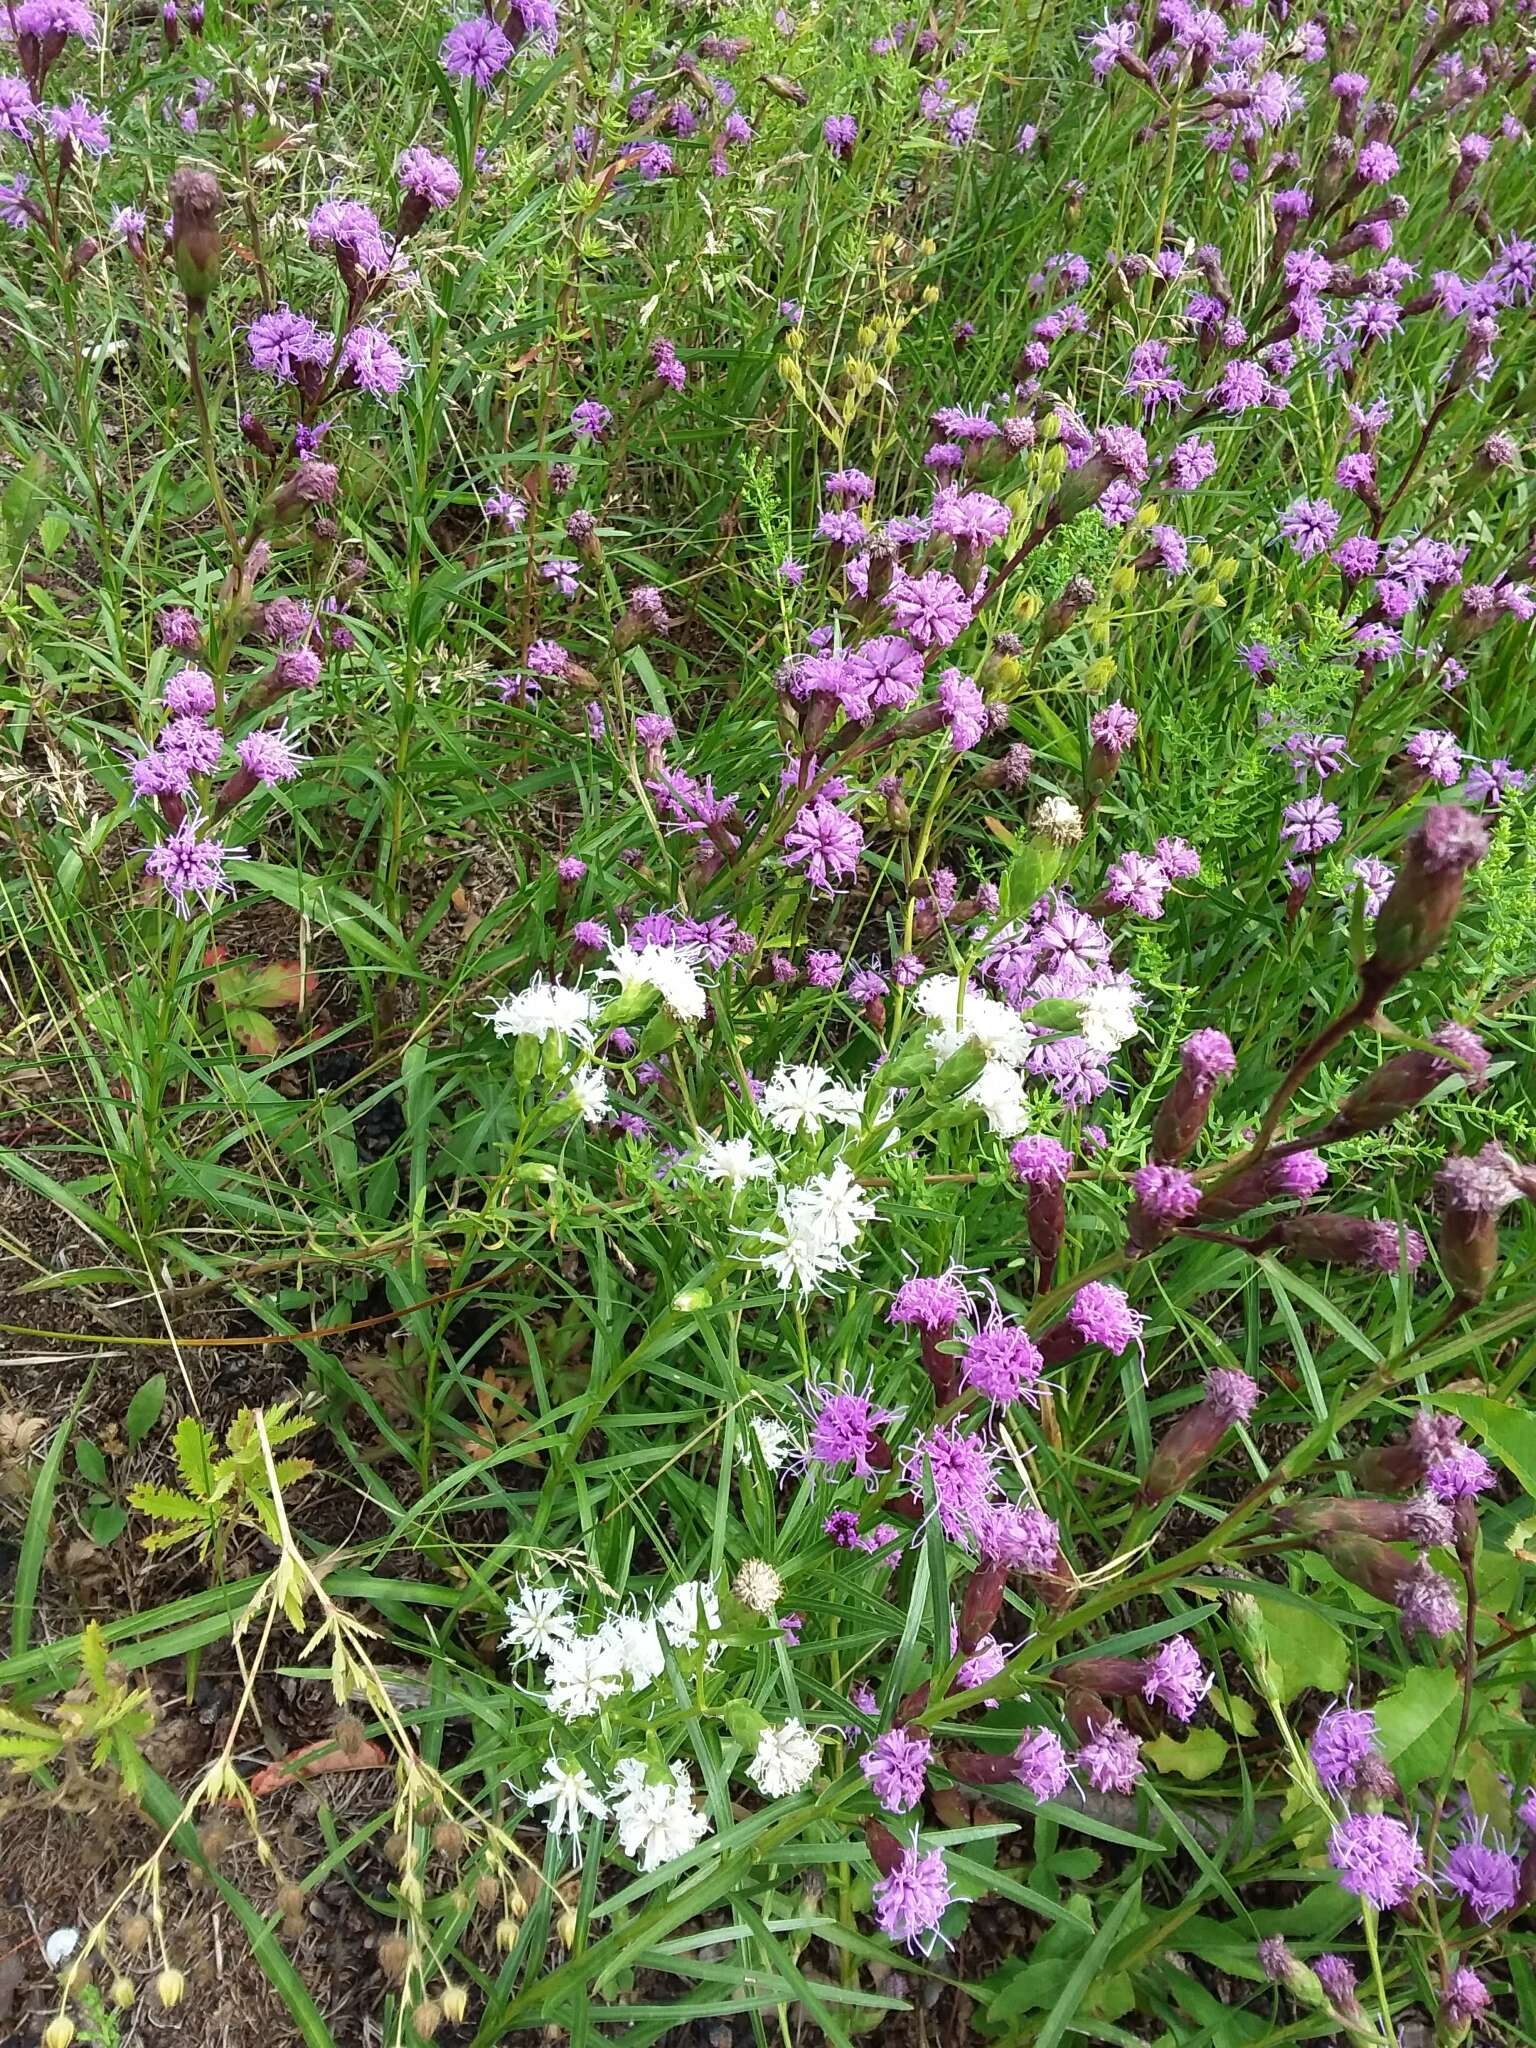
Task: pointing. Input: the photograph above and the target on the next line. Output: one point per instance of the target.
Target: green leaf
(34, 1541)
(1510, 1433)
(144, 1410)
(1417, 1721)
(1304, 1647)
(194, 1454)
(1195, 1757)
(90, 1463)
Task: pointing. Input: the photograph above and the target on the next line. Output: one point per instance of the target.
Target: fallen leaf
(316, 1760)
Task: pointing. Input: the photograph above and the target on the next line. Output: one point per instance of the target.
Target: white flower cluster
(654, 1808)
(803, 1098)
(624, 1652)
(546, 1009)
(817, 1229)
(962, 1015)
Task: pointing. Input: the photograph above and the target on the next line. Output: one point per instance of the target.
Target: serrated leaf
(166, 1504)
(1194, 1757)
(93, 1657)
(194, 1455)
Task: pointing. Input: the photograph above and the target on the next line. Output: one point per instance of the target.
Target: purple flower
(270, 755)
(933, 1302)
(1206, 1057)
(963, 705)
(1376, 1858)
(78, 125)
(969, 517)
(1490, 782)
(840, 132)
(1134, 882)
(826, 842)
(1466, 1998)
(427, 176)
(1103, 1315)
(280, 341)
(1230, 1395)
(963, 1479)
(1177, 859)
(188, 867)
(1192, 463)
(1111, 1758)
(1427, 1601)
(1376, 163)
(17, 113)
(476, 49)
(590, 420)
(896, 1766)
(1040, 1764)
(1295, 1177)
(845, 1429)
(912, 1900)
(931, 609)
(1343, 1745)
(189, 693)
(1338, 1979)
(1310, 824)
(1113, 728)
(1165, 1195)
(1486, 1876)
(352, 230)
(1040, 1162)
(1310, 525)
(373, 362)
(1175, 1675)
(1001, 1361)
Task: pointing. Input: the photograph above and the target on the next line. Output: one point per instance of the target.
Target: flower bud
(1205, 1062)
(196, 201)
(1422, 1521)
(1229, 1397)
(1401, 1083)
(1424, 898)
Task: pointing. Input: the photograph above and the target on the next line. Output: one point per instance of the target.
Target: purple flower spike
(897, 1769)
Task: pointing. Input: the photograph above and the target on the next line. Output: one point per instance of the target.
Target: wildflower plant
(859, 697)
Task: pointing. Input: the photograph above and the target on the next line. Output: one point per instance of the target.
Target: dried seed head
(449, 1840)
(565, 1928)
(455, 1999)
(487, 1891)
(394, 1956)
(213, 1839)
(59, 2032)
(169, 1986)
(134, 1932)
(427, 2018)
(350, 1735)
(290, 1899)
(397, 1847)
(122, 1993)
(758, 1586)
(506, 1933)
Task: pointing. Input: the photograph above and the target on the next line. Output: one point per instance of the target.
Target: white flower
(806, 1097)
(817, 1229)
(689, 1608)
(588, 1094)
(776, 1443)
(633, 1642)
(966, 1015)
(785, 1760)
(732, 1160)
(538, 1621)
(999, 1094)
(580, 1675)
(670, 970)
(542, 1007)
(568, 1793)
(657, 1822)
(1108, 1016)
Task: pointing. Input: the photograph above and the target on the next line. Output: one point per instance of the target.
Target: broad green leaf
(1416, 1722)
(1194, 1757)
(144, 1410)
(1304, 1647)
